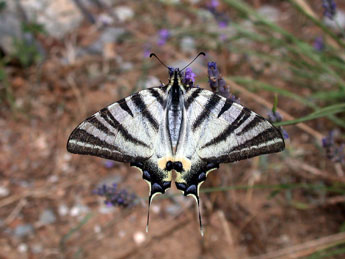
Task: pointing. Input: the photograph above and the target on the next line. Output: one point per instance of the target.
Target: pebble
(59, 17)
(23, 248)
(47, 217)
(173, 209)
(97, 229)
(63, 210)
(187, 44)
(4, 191)
(36, 248)
(108, 36)
(139, 238)
(23, 230)
(149, 81)
(269, 12)
(123, 13)
(78, 209)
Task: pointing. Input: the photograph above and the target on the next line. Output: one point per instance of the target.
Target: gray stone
(10, 28)
(58, 17)
(4, 191)
(123, 13)
(269, 13)
(47, 217)
(109, 35)
(37, 248)
(173, 209)
(188, 44)
(23, 230)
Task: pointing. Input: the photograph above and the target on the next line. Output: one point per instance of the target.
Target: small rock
(139, 238)
(63, 210)
(122, 234)
(104, 209)
(4, 191)
(36, 248)
(149, 81)
(53, 178)
(23, 248)
(338, 20)
(155, 208)
(187, 44)
(59, 17)
(112, 35)
(23, 230)
(109, 36)
(97, 229)
(123, 13)
(269, 12)
(78, 209)
(173, 209)
(47, 217)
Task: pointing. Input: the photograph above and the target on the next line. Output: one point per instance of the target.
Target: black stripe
(227, 105)
(87, 138)
(192, 97)
(230, 129)
(99, 125)
(263, 137)
(212, 102)
(257, 119)
(124, 106)
(156, 95)
(108, 117)
(139, 103)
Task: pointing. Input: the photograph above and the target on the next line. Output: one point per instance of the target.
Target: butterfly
(175, 127)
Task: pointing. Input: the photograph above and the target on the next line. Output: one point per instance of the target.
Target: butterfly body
(175, 127)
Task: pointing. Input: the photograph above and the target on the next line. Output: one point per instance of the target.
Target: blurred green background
(63, 60)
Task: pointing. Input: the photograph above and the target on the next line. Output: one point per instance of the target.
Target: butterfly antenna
(160, 61)
(201, 53)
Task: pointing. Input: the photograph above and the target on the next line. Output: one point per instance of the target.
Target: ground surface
(41, 176)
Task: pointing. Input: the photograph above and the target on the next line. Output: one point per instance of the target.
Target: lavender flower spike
(115, 197)
(163, 36)
(189, 76)
(330, 8)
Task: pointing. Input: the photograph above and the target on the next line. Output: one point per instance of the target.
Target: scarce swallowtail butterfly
(175, 127)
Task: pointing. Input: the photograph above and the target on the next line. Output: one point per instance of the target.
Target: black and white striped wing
(231, 132)
(124, 131)
(220, 131)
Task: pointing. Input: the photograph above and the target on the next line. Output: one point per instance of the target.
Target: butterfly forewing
(120, 131)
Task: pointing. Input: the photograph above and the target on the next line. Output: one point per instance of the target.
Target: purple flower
(189, 76)
(163, 36)
(274, 116)
(213, 4)
(217, 83)
(319, 44)
(115, 197)
(334, 151)
(147, 50)
(109, 164)
(329, 7)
